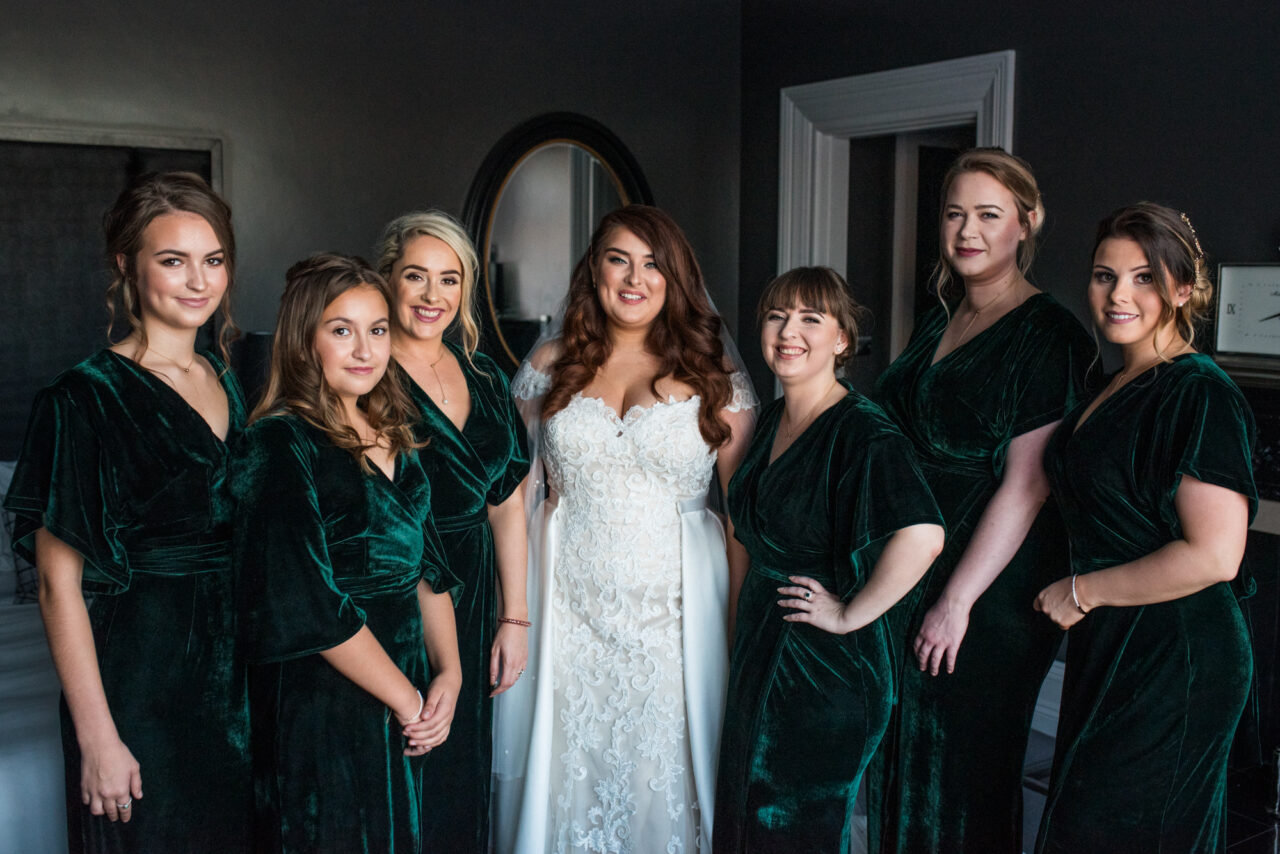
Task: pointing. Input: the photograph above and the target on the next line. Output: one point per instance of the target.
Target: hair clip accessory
(1194, 237)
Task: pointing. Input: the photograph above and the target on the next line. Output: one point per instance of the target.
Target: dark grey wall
(1114, 102)
(337, 116)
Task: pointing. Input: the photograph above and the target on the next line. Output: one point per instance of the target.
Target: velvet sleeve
(63, 483)
(1208, 433)
(518, 462)
(885, 493)
(1054, 359)
(881, 491)
(436, 571)
(287, 598)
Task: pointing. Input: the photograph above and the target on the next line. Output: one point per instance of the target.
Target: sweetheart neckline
(625, 418)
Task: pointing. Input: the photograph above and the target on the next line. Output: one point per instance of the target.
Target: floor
(1251, 793)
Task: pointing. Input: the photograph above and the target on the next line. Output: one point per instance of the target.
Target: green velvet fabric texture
(805, 707)
(949, 774)
(1152, 694)
(118, 466)
(480, 464)
(322, 548)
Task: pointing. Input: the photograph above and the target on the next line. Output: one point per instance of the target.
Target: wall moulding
(818, 120)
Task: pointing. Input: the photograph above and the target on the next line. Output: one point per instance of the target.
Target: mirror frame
(496, 170)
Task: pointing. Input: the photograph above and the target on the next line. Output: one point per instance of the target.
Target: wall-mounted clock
(1248, 320)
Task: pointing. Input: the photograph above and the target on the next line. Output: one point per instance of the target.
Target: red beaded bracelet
(513, 621)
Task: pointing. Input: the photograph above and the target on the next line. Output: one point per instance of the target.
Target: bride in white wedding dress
(610, 743)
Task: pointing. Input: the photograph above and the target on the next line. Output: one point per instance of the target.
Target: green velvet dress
(949, 777)
(805, 707)
(1152, 693)
(119, 467)
(480, 464)
(322, 548)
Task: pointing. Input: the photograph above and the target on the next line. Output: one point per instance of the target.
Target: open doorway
(894, 206)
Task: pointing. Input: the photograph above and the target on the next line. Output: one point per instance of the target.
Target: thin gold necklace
(789, 435)
(444, 395)
(978, 311)
(175, 362)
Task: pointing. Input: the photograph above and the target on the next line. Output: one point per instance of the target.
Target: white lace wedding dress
(629, 662)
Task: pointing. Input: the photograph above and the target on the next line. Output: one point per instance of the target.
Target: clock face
(1249, 310)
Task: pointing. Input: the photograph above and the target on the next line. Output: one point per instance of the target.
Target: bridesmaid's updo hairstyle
(145, 198)
(685, 335)
(821, 289)
(1015, 175)
(1173, 251)
(296, 382)
(437, 224)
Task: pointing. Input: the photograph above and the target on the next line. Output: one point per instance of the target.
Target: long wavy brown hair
(685, 335)
(146, 197)
(296, 383)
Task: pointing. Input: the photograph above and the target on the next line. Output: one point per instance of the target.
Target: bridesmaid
(837, 518)
(121, 493)
(1156, 485)
(341, 577)
(476, 459)
(981, 385)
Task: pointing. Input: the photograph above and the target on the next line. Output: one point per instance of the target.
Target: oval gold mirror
(531, 210)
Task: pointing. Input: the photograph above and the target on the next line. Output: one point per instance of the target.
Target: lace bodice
(621, 780)
(530, 383)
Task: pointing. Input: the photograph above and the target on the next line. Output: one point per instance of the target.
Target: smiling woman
(340, 577)
(121, 491)
(610, 745)
(982, 382)
(811, 675)
(476, 457)
(1156, 486)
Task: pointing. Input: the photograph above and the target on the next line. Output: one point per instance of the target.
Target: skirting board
(1045, 719)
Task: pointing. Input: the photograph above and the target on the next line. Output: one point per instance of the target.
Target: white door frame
(819, 119)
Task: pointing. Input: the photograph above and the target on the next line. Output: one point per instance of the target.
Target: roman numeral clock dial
(1249, 310)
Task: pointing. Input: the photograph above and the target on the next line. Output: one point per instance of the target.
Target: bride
(611, 746)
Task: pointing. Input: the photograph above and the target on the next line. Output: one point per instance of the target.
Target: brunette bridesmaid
(344, 590)
(476, 458)
(1155, 480)
(121, 493)
(840, 525)
(981, 385)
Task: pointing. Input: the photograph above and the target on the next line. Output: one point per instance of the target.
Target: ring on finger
(126, 805)
(808, 594)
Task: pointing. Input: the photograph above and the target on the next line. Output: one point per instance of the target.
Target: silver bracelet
(1075, 598)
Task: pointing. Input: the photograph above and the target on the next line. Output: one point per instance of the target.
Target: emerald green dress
(479, 465)
(1153, 693)
(118, 466)
(805, 707)
(322, 548)
(950, 774)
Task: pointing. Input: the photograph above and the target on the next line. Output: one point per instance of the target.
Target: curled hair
(296, 383)
(685, 335)
(1173, 250)
(1015, 175)
(145, 198)
(821, 289)
(437, 224)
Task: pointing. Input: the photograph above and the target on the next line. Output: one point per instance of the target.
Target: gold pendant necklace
(444, 396)
(977, 311)
(174, 361)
